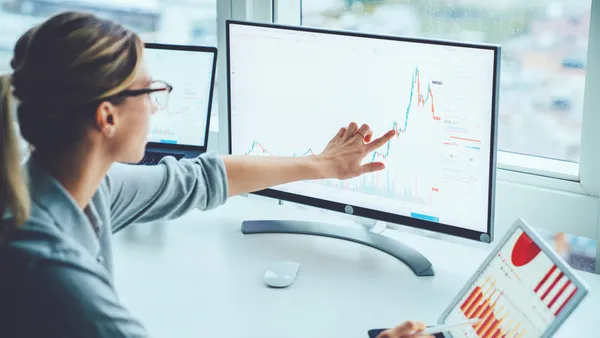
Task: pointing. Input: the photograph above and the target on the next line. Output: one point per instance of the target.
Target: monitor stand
(418, 263)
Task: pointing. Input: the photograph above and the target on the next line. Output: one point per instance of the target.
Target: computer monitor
(292, 88)
(183, 124)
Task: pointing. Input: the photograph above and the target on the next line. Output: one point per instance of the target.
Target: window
(541, 107)
(181, 22)
(544, 49)
(577, 251)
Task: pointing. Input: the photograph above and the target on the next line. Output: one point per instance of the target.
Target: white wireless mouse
(281, 274)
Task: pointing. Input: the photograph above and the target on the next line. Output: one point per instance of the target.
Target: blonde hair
(62, 70)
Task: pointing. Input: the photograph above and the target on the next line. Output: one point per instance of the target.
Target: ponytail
(14, 195)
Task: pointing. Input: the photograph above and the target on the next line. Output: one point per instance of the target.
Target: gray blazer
(56, 271)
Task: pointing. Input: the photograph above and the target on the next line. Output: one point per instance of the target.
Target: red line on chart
(465, 139)
(565, 302)
(543, 281)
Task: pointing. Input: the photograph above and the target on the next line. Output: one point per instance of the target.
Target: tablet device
(522, 289)
(375, 332)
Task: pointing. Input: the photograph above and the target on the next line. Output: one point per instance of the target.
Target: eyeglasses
(158, 91)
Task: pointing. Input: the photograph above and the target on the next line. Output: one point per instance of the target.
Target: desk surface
(203, 278)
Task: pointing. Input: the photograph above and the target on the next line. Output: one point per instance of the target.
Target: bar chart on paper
(500, 317)
(518, 295)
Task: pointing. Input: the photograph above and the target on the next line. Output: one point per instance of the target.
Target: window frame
(290, 12)
(551, 194)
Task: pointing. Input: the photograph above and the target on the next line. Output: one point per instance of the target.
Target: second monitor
(292, 88)
(181, 123)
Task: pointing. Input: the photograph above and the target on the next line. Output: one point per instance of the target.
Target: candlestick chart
(418, 189)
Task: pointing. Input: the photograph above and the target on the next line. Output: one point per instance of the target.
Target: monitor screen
(519, 294)
(292, 88)
(185, 119)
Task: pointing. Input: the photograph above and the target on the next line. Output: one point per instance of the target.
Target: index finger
(407, 328)
(379, 142)
(418, 326)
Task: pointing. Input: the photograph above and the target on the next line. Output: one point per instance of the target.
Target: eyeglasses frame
(143, 91)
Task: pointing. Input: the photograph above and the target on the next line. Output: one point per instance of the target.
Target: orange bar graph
(486, 312)
(514, 330)
(487, 316)
(496, 322)
(496, 329)
(490, 325)
(485, 325)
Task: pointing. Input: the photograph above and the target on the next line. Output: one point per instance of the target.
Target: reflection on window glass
(177, 22)
(544, 46)
(579, 252)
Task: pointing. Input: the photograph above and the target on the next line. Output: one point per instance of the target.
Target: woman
(84, 100)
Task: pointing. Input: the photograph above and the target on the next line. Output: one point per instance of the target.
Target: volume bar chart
(483, 303)
(384, 183)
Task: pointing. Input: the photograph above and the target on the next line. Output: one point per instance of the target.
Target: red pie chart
(524, 251)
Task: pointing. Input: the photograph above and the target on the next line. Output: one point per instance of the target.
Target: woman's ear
(106, 118)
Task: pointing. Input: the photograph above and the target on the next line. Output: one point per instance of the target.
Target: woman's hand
(348, 148)
(341, 158)
(405, 330)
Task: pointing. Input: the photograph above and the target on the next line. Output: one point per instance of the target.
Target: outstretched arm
(341, 159)
(141, 194)
(172, 188)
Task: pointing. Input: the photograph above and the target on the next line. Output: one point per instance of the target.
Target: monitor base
(418, 263)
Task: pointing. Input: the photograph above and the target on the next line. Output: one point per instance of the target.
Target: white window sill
(539, 166)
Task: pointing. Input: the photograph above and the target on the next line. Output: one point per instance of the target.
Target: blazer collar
(59, 206)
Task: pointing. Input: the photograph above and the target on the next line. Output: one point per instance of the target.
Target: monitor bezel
(357, 210)
(190, 48)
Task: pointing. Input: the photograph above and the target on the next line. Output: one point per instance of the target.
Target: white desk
(204, 279)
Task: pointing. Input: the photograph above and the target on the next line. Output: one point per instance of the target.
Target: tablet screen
(519, 293)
